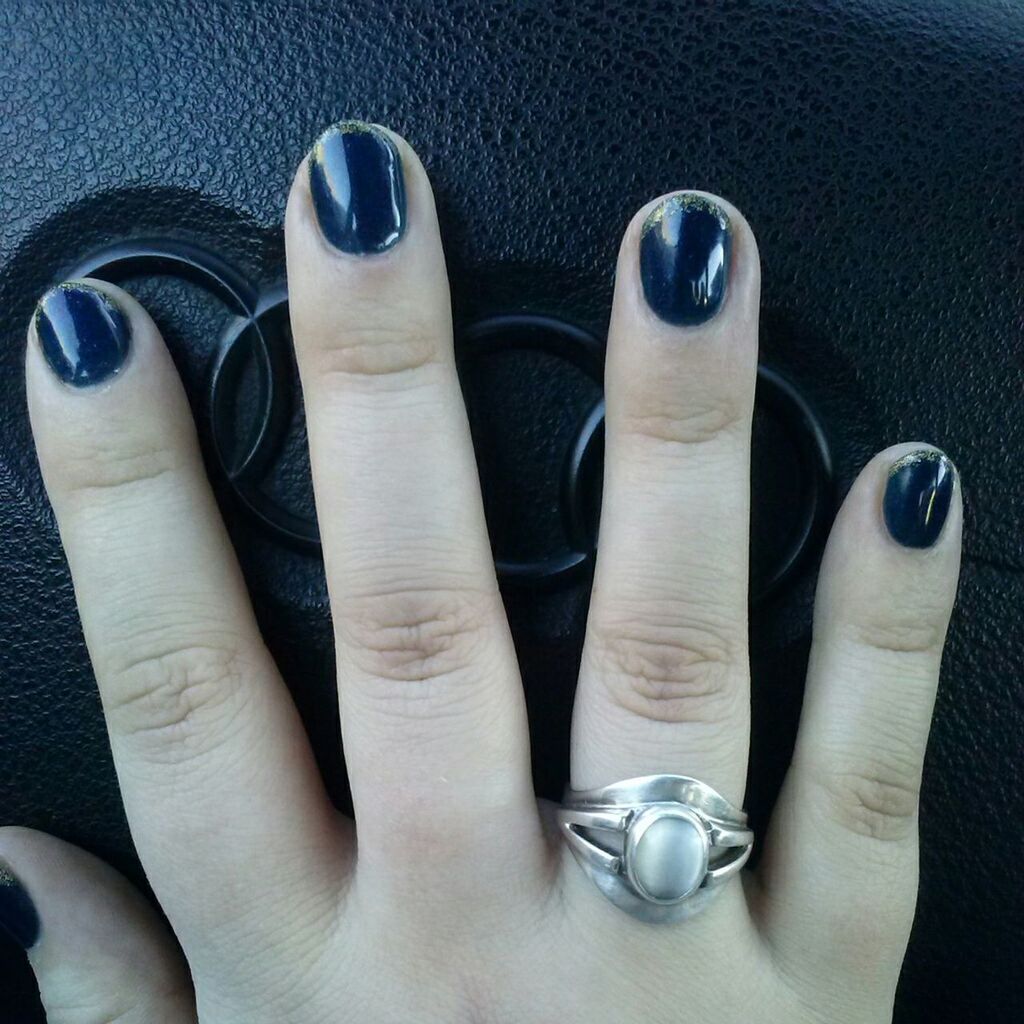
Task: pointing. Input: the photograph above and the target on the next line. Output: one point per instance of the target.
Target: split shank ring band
(659, 846)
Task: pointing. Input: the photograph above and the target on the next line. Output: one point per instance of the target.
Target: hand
(460, 903)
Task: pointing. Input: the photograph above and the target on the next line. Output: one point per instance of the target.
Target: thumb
(99, 951)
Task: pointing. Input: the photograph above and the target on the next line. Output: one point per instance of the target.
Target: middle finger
(432, 711)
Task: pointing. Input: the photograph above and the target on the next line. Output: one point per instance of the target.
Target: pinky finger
(840, 872)
(100, 953)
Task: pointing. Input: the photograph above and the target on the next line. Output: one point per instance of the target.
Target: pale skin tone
(459, 905)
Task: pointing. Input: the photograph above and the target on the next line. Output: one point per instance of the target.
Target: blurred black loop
(258, 337)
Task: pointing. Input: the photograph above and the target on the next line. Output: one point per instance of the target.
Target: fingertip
(70, 890)
(361, 191)
(92, 939)
(82, 330)
(689, 259)
(102, 389)
(367, 281)
(19, 918)
(921, 498)
(907, 501)
(890, 570)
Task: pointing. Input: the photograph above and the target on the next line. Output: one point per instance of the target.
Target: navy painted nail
(18, 917)
(685, 246)
(355, 177)
(83, 334)
(917, 497)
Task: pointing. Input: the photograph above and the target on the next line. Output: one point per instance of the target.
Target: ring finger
(664, 682)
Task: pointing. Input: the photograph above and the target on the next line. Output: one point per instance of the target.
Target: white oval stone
(668, 860)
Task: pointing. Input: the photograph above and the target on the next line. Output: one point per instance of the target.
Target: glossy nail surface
(18, 917)
(917, 497)
(355, 177)
(685, 247)
(84, 336)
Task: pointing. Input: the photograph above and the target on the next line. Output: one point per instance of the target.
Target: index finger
(218, 780)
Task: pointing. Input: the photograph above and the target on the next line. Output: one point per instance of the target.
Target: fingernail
(18, 915)
(685, 246)
(83, 334)
(355, 177)
(917, 497)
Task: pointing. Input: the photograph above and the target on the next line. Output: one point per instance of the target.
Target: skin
(460, 906)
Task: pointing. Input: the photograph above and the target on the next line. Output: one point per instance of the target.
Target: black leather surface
(875, 148)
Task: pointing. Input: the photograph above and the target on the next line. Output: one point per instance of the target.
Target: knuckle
(119, 1000)
(670, 673)
(921, 635)
(414, 636)
(179, 699)
(689, 420)
(379, 348)
(87, 470)
(874, 800)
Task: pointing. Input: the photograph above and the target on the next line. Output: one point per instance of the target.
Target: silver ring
(658, 847)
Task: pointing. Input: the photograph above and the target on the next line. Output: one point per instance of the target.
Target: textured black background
(876, 148)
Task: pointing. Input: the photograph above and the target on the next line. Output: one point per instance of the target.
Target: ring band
(659, 846)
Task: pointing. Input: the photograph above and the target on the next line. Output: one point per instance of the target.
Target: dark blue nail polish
(18, 917)
(82, 333)
(917, 497)
(355, 177)
(685, 247)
